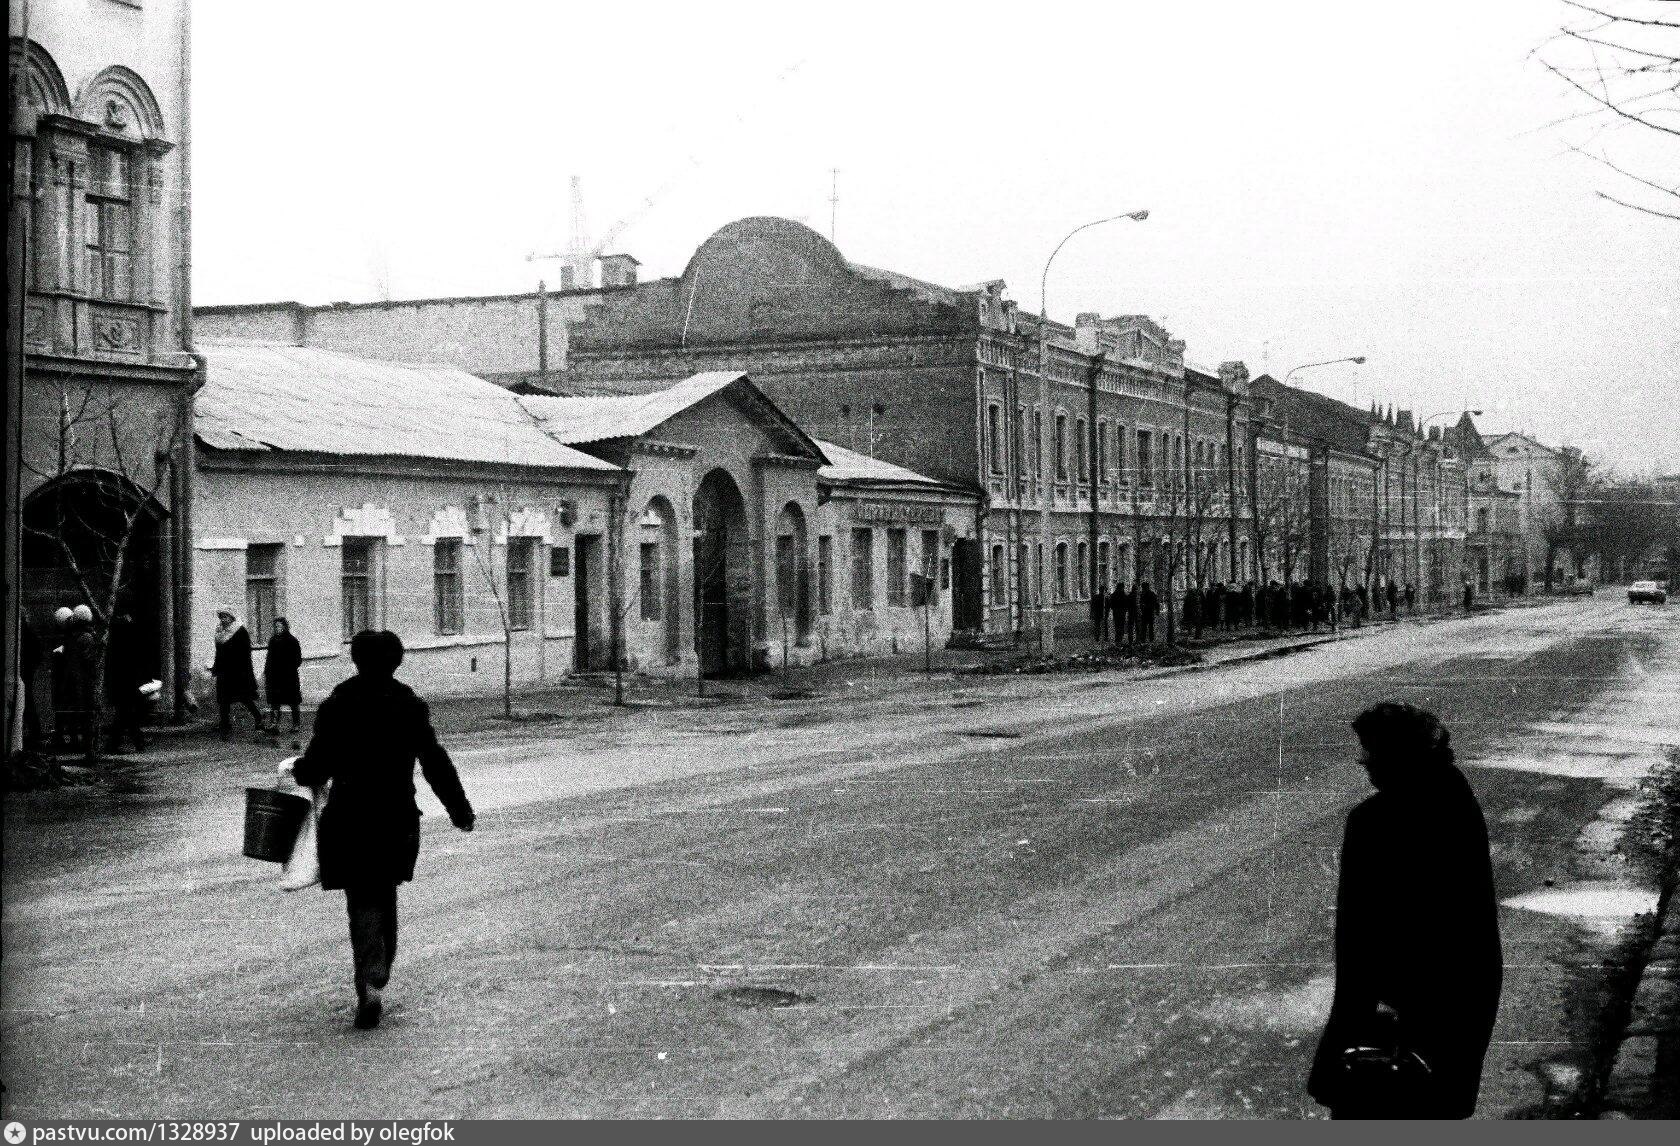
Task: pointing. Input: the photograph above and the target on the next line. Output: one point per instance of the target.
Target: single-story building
(343, 493)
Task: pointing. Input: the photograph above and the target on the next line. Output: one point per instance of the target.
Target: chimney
(1234, 377)
(1434, 433)
(1086, 331)
(1405, 420)
(618, 270)
(568, 277)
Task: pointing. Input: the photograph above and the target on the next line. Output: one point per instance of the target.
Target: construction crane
(578, 260)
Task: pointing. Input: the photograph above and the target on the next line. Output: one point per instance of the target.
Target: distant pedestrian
(1364, 593)
(1099, 614)
(1217, 605)
(74, 684)
(1411, 597)
(236, 680)
(1418, 961)
(1193, 612)
(1393, 599)
(1148, 605)
(1125, 614)
(1248, 604)
(280, 674)
(125, 672)
(368, 734)
(1469, 594)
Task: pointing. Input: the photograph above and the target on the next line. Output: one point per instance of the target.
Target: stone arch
(723, 576)
(658, 526)
(76, 528)
(119, 101)
(793, 574)
(44, 87)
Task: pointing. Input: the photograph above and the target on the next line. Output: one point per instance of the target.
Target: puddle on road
(1619, 771)
(1294, 1010)
(1603, 908)
(753, 997)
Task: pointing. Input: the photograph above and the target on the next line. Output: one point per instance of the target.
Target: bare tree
(1620, 60)
(1559, 525)
(1625, 524)
(102, 491)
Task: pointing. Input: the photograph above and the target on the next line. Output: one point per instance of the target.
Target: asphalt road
(1057, 897)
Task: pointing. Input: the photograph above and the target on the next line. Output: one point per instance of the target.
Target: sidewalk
(584, 703)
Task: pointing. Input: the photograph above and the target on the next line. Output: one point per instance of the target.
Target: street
(1060, 896)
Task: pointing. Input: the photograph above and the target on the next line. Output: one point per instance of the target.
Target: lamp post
(1254, 461)
(1046, 608)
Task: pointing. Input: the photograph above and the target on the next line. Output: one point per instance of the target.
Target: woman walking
(280, 674)
(1418, 963)
(236, 680)
(368, 734)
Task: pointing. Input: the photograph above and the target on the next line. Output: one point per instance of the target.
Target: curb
(1647, 1063)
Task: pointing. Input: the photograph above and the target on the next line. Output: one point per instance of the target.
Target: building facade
(100, 326)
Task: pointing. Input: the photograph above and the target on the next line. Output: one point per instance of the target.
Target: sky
(1323, 179)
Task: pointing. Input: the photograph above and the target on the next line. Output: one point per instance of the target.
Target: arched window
(1061, 571)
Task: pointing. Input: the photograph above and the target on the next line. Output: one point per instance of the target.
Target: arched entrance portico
(93, 537)
(722, 577)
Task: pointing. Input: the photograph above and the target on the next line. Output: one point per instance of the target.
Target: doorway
(722, 577)
(966, 610)
(584, 574)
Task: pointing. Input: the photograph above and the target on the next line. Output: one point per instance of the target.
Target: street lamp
(1254, 508)
(1046, 609)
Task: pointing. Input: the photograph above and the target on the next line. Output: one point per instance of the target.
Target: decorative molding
(221, 544)
(370, 520)
(450, 521)
(526, 521)
(119, 100)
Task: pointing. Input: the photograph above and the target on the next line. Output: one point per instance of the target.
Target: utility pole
(833, 201)
(542, 334)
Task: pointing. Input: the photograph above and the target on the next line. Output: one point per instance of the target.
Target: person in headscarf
(368, 734)
(280, 674)
(1418, 961)
(236, 680)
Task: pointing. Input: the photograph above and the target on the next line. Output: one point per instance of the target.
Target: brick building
(98, 246)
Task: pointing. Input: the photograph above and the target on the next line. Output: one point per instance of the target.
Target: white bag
(303, 868)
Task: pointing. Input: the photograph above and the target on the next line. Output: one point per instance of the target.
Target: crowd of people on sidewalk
(100, 690)
(1127, 615)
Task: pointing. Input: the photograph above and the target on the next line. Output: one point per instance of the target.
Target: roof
(850, 466)
(587, 419)
(270, 397)
(921, 288)
(1315, 415)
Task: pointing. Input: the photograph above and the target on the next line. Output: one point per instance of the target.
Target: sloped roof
(921, 288)
(1316, 415)
(584, 420)
(272, 397)
(850, 466)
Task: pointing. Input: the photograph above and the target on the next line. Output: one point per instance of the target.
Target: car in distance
(1578, 586)
(1647, 591)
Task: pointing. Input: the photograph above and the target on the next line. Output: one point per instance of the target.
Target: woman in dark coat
(236, 680)
(368, 734)
(1418, 961)
(280, 673)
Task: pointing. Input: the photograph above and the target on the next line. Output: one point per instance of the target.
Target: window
(1146, 471)
(1000, 577)
(356, 585)
(1082, 461)
(1102, 565)
(519, 566)
(1038, 444)
(652, 580)
(787, 577)
(1038, 573)
(1060, 447)
(1082, 575)
(897, 559)
(1020, 441)
(446, 584)
(110, 225)
(262, 591)
(930, 553)
(863, 569)
(1481, 521)
(1102, 452)
(1061, 571)
(994, 443)
(1120, 450)
(825, 574)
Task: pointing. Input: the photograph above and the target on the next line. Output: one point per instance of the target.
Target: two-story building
(98, 247)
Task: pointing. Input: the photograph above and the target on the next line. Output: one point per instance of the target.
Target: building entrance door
(723, 581)
(583, 609)
(966, 606)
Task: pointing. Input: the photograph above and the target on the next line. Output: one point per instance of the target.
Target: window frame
(108, 230)
(898, 567)
(260, 626)
(448, 595)
(366, 578)
(521, 611)
(863, 569)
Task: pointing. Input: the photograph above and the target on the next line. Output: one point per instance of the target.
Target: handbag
(1383, 1073)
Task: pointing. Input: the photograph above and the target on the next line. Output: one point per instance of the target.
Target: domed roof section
(765, 279)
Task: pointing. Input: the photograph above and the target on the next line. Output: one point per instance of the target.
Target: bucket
(272, 822)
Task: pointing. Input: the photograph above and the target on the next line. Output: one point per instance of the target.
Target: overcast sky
(1324, 179)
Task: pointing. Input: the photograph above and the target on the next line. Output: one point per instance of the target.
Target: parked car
(1647, 591)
